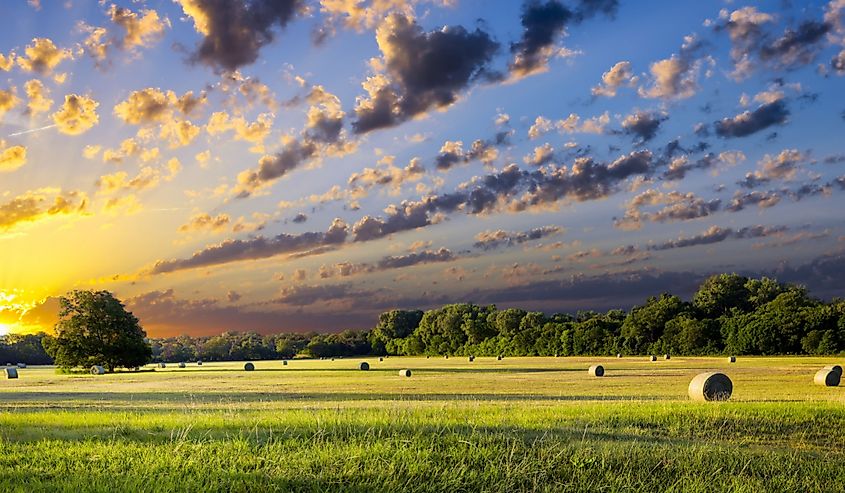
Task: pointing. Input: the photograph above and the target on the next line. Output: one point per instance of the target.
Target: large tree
(95, 329)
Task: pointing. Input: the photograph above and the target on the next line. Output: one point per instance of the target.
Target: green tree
(95, 329)
(645, 324)
(720, 294)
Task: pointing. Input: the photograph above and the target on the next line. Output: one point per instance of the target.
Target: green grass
(521, 424)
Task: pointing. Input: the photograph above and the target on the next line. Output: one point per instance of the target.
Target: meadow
(520, 424)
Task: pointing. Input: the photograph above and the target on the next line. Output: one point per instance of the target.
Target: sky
(297, 165)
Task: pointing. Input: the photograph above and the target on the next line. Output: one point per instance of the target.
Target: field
(520, 424)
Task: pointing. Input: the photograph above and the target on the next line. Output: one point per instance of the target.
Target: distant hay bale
(836, 368)
(11, 372)
(380, 360)
(711, 386)
(732, 359)
(285, 363)
(137, 368)
(199, 362)
(182, 364)
(249, 367)
(98, 370)
(364, 366)
(23, 365)
(499, 358)
(404, 373)
(653, 358)
(667, 356)
(471, 359)
(332, 359)
(596, 371)
(428, 357)
(162, 365)
(827, 378)
(446, 357)
(618, 355)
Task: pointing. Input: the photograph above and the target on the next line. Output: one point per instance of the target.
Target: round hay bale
(364, 366)
(653, 358)
(836, 368)
(596, 371)
(380, 360)
(711, 386)
(499, 357)
(9, 364)
(618, 355)
(199, 362)
(23, 365)
(446, 357)
(404, 373)
(162, 365)
(827, 378)
(428, 357)
(667, 356)
(249, 367)
(732, 359)
(98, 370)
(182, 364)
(11, 372)
(285, 363)
(332, 359)
(471, 359)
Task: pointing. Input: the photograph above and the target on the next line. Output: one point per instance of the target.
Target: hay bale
(380, 360)
(711, 386)
(596, 371)
(653, 358)
(428, 357)
(732, 359)
(11, 372)
(199, 362)
(618, 355)
(98, 370)
(446, 357)
(364, 366)
(827, 378)
(667, 356)
(404, 373)
(23, 365)
(499, 358)
(285, 363)
(249, 367)
(836, 368)
(182, 364)
(162, 365)
(471, 359)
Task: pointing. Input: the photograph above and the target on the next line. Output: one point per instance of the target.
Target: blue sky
(296, 165)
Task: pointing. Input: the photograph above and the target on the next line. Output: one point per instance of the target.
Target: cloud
(750, 122)
(152, 105)
(258, 247)
(643, 125)
(234, 31)
(761, 199)
(39, 97)
(8, 101)
(273, 167)
(206, 222)
(386, 174)
(11, 157)
(35, 205)
(452, 152)
(717, 234)
(572, 124)
(541, 155)
(676, 77)
(42, 56)
(620, 75)
(416, 80)
(543, 23)
(299, 218)
(676, 206)
(77, 115)
(490, 240)
(139, 30)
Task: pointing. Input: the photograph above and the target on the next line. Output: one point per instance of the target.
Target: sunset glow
(329, 164)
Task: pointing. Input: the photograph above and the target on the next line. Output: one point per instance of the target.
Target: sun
(5, 329)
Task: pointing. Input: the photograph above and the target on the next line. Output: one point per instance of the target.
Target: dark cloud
(678, 168)
(717, 234)
(234, 31)
(761, 199)
(796, 47)
(750, 122)
(255, 248)
(453, 153)
(543, 24)
(643, 125)
(273, 167)
(489, 240)
(299, 218)
(425, 70)
(416, 258)
(304, 295)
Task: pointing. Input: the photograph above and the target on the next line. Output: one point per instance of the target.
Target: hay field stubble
(520, 424)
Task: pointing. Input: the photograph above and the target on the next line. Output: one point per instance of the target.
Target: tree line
(729, 313)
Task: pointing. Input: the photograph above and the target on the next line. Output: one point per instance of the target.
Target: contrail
(24, 132)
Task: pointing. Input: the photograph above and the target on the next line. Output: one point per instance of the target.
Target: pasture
(520, 424)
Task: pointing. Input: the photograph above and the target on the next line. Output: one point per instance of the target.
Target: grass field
(520, 424)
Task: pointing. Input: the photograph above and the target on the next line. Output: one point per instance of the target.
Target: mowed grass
(520, 424)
